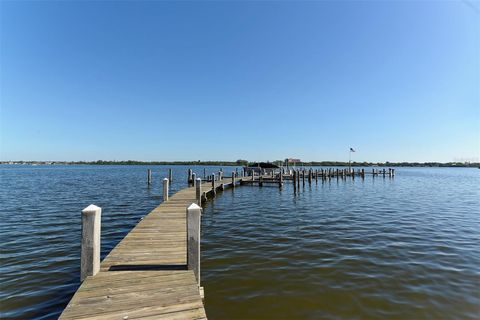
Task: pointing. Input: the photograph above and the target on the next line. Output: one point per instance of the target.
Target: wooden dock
(146, 275)
(154, 272)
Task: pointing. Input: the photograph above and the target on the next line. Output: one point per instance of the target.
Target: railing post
(194, 213)
(165, 189)
(90, 251)
(194, 179)
(198, 190)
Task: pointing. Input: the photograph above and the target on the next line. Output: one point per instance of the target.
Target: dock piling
(189, 176)
(233, 179)
(165, 189)
(198, 191)
(170, 175)
(194, 213)
(149, 176)
(90, 251)
(214, 192)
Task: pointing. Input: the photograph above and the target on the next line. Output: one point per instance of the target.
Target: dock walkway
(145, 276)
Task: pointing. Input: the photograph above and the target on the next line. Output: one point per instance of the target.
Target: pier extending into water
(154, 272)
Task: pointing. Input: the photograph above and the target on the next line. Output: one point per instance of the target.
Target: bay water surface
(373, 248)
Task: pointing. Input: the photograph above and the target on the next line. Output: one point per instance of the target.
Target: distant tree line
(241, 162)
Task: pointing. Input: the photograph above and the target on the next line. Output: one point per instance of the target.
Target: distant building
(292, 161)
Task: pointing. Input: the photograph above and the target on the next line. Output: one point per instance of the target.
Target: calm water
(403, 248)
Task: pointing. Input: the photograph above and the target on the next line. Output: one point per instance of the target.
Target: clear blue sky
(222, 80)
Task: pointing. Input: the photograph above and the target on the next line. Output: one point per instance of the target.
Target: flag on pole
(351, 150)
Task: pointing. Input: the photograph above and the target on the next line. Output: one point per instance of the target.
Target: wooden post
(260, 181)
(303, 177)
(253, 175)
(294, 180)
(236, 172)
(310, 176)
(204, 173)
(214, 192)
(280, 179)
(384, 173)
(165, 189)
(149, 176)
(298, 179)
(189, 176)
(233, 179)
(198, 191)
(194, 213)
(316, 175)
(90, 252)
(170, 175)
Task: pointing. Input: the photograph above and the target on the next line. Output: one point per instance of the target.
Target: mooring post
(233, 179)
(298, 179)
(189, 176)
(170, 175)
(198, 191)
(294, 180)
(194, 179)
(214, 192)
(149, 176)
(280, 179)
(310, 176)
(90, 251)
(253, 175)
(363, 173)
(236, 172)
(204, 173)
(194, 213)
(303, 177)
(384, 173)
(316, 175)
(165, 189)
(260, 181)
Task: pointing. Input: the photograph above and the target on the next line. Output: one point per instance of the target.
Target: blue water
(402, 248)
